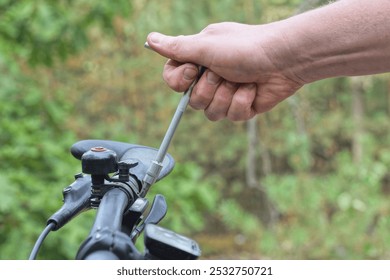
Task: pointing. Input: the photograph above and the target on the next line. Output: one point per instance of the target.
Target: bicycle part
(41, 238)
(157, 212)
(110, 236)
(134, 214)
(99, 161)
(105, 235)
(164, 244)
(127, 152)
(124, 169)
(76, 198)
(101, 255)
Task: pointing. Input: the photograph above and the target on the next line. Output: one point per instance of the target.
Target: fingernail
(190, 73)
(155, 37)
(213, 78)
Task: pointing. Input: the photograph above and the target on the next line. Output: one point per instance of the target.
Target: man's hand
(248, 69)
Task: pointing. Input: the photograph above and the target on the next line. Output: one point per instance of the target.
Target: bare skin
(252, 68)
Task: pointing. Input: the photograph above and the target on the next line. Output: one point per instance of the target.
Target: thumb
(179, 48)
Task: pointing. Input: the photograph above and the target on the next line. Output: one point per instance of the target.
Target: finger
(179, 76)
(266, 101)
(219, 106)
(272, 93)
(242, 103)
(180, 48)
(204, 90)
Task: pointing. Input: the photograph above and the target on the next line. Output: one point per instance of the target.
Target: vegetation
(73, 70)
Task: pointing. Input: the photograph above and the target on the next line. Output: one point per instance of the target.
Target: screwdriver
(156, 165)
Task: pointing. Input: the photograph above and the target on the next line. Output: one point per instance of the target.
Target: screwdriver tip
(146, 45)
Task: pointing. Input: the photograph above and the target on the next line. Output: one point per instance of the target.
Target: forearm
(346, 38)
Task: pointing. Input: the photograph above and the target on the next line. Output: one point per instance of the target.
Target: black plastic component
(80, 147)
(164, 244)
(76, 199)
(125, 152)
(134, 214)
(99, 160)
(124, 169)
(157, 212)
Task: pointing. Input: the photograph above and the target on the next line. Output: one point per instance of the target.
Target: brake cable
(40, 240)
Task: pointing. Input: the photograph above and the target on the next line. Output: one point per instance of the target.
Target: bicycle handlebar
(102, 255)
(106, 239)
(120, 205)
(111, 209)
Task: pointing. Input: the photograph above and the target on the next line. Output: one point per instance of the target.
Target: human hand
(249, 68)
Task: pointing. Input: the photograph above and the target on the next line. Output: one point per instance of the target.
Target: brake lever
(76, 198)
(156, 165)
(157, 212)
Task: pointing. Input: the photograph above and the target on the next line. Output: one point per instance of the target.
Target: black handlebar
(106, 239)
(111, 209)
(102, 255)
(120, 205)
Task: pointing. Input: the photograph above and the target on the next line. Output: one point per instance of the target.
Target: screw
(98, 149)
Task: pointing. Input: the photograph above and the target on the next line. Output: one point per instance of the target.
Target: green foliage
(343, 215)
(237, 219)
(42, 31)
(35, 159)
(189, 197)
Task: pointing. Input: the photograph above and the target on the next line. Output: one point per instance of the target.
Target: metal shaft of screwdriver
(156, 166)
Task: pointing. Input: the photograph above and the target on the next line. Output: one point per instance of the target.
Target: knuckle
(213, 115)
(222, 98)
(243, 101)
(173, 76)
(217, 27)
(198, 103)
(234, 117)
(210, 28)
(201, 96)
(171, 80)
(176, 48)
(240, 116)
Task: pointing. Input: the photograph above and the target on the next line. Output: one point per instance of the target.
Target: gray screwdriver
(156, 165)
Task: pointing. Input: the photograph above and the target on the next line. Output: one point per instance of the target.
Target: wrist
(340, 39)
(275, 44)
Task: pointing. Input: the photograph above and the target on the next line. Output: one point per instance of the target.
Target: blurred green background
(308, 180)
